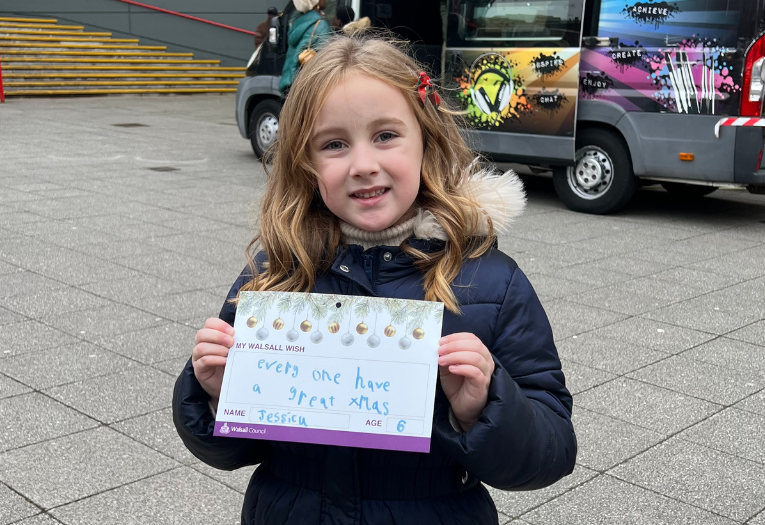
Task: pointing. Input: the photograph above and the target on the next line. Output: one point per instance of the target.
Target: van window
(511, 23)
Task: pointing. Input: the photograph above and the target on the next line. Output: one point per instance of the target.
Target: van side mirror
(273, 30)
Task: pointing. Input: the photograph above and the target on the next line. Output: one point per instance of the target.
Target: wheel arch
(610, 117)
(253, 101)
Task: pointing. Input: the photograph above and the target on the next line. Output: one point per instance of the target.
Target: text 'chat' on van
(607, 94)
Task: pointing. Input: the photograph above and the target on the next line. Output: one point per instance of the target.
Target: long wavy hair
(299, 234)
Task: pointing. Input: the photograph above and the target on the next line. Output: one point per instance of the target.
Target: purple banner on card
(323, 437)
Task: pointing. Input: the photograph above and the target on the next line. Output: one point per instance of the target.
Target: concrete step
(123, 69)
(7, 31)
(40, 26)
(44, 39)
(31, 53)
(53, 75)
(64, 47)
(113, 84)
(17, 20)
(92, 92)
(10, 62)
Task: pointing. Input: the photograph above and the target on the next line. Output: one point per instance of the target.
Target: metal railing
(183, 15)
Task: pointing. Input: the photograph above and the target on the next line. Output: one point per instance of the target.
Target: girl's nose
(364, 162)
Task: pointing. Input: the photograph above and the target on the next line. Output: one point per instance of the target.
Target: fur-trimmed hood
(500, 195)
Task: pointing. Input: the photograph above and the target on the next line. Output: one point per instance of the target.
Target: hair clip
(426, 90)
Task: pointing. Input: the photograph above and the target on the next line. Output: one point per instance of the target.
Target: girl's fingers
(462, 345)
(457, 337)
(208, 349)
(206, 362)
(467, 358)
(220, 325)
(467, 371)
(212, 335)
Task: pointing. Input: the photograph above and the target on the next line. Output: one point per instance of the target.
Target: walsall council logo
(491, 84)
(225, 429)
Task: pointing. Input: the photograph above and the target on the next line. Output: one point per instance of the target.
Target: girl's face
(367, 147)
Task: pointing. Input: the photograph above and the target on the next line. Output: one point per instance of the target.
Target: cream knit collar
(392, 236)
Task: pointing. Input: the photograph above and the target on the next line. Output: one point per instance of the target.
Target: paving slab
(606, 501)
(14, 507)
(732, 431)
(101, 322)
(138, 390)
(33, 417)
(701, 476)
(157, 431)
(742, 264)
(754, 333)
(181, 495)
(67, 364)
(32, 336)
(7, 316)
(605, 442)
(754, 403)
(40, 519)
(569, 318)
(237, 479)
(555, 287)
(134, 291)
(730, 353)
(50, 304)
(26, 282)
(647, 406)
(173, 367)
(185, 306)
(150, 345)
(637, 296)
(580, 378)
(79, 465)
(9, 387)
(653, 334)
(611, 355)
(714, 383)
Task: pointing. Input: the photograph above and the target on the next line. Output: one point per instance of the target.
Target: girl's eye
(385, 136)
(334, 145)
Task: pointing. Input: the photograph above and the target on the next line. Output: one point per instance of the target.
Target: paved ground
(107, 268)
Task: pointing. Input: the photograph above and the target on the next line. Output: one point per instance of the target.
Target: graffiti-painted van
(609, 94)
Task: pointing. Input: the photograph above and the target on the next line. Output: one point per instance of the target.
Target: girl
(374, 192)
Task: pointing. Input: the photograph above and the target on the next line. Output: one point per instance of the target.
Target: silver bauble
(292, 335)
(261, 334)
(373, 341)
(404, 343)
(347, 339)
(316, 337)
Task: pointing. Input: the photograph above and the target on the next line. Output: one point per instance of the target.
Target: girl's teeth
(368, 195)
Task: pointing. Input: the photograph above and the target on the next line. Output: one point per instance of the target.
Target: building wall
(155, 28)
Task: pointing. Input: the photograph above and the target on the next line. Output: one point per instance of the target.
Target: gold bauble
(306, 325)
(333, 328)
(390, 331)
(278, 324)
(252, 322)
(361, 328)
(418, 333)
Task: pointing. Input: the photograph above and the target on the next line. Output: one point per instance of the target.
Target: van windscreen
(482, 23)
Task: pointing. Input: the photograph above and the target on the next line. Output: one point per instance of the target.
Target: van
(609, 95)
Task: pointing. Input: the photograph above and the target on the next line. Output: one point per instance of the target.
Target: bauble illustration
(333, 328)
(390, 331)
(418, 333)
(252, 322)
(404, 343)
(306, 326)
(262, 334)
(278, 324)
(292, 335)
(317, 337)
(347, 339)
(361, 328)
(373, 341)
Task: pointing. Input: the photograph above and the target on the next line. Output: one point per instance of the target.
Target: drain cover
(131, 125)
(163, 168)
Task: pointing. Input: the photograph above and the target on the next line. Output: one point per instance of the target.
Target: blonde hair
(299, 234)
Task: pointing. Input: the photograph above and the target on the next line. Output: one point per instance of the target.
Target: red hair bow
(425, 88)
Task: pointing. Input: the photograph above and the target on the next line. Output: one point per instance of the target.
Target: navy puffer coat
(523, 440)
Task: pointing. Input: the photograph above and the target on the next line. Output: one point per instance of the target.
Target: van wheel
(602, 180)
(264, 125)
(688, 191)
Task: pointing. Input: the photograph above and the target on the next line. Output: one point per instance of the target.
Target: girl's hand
(209, 355)
(465, 367)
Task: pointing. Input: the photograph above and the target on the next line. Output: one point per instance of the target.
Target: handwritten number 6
(400, 426)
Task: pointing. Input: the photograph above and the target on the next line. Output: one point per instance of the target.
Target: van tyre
(602, 181)
(688, 191)
(264, 125)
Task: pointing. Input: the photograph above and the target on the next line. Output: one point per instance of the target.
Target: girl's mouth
(370, 194)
